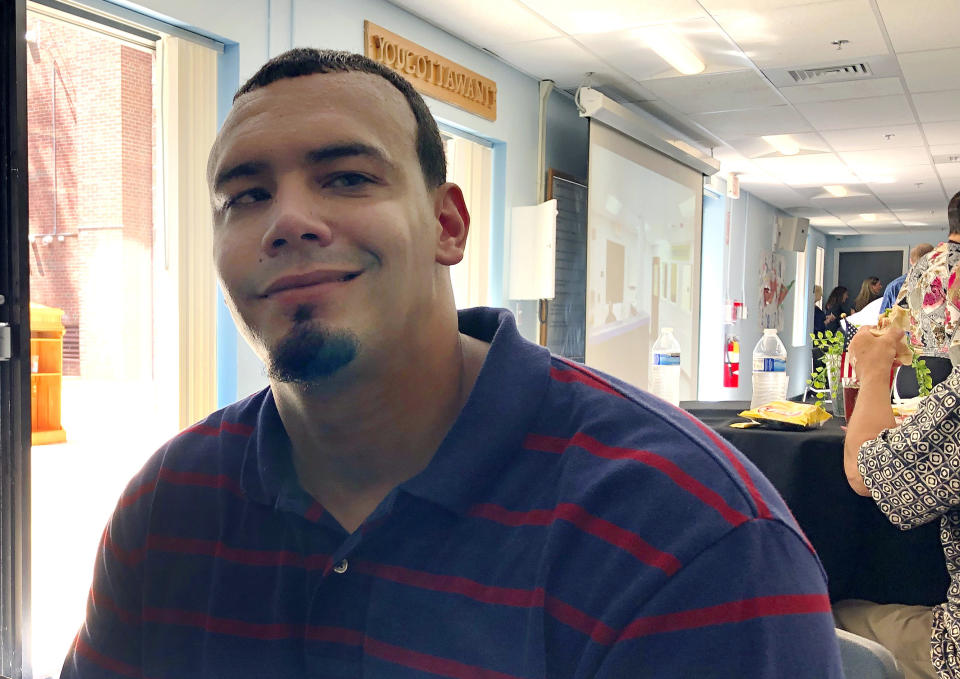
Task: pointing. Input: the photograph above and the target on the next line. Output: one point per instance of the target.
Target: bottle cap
(769, 331)
(670, 330)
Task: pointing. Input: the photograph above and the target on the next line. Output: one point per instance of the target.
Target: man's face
(325, 234)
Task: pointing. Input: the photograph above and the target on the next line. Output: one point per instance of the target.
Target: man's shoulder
(637, 438)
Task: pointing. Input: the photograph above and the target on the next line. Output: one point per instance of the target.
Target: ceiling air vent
(823, 74)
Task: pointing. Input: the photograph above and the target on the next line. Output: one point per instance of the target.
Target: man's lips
(310, 279)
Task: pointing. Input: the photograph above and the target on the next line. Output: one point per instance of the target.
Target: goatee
(309, 354)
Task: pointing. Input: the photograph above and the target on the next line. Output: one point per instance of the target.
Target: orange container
(46, 374)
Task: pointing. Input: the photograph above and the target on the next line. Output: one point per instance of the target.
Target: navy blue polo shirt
(568, 526)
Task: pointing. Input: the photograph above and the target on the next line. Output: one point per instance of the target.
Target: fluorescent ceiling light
(869, 217)
(782, 143)
(671, 49)
(837, 190)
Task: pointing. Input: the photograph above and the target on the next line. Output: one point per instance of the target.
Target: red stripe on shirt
(98, 658)
(223, 481)
(247, 557)
(128, 557)
(101, 600)
(581, 376)
(580, 621)
(762, 510)
(315, 511)
(706, 495)
(237, 628)
(733, 611)
(452, 584)
(430, 663)
(588, 523)
(138, 492)
(225, 427)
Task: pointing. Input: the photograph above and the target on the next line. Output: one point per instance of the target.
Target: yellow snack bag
(788, 415)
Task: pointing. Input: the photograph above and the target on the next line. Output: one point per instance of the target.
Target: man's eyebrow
(346, 150)
(242, 170)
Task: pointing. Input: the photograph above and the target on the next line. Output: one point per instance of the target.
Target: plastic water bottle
(665, 367)
(769, 370)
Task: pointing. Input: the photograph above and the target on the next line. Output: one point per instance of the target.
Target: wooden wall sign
(430, 73)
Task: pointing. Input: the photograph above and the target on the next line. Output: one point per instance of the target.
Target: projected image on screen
(641, 244)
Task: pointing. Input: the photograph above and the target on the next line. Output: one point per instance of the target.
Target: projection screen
(643, 257)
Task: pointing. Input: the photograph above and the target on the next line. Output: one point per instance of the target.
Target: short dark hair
(307, 61)
(953, 213)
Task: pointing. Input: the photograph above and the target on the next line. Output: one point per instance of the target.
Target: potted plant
(827, 374)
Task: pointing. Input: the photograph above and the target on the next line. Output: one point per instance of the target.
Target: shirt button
(341, 567)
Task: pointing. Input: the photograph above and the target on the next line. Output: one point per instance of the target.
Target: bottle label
(769, 365)
(666, 359)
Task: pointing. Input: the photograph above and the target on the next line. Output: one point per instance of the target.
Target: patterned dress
(932, 291)
(913, 473)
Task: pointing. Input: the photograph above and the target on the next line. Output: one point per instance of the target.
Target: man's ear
(453, 222)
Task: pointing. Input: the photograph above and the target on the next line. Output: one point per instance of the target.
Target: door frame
(15, 373)
(904, 249)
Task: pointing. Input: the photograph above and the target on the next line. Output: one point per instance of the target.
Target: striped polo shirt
(569, 525)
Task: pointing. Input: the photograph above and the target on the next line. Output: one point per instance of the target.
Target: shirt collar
(489, 430)
(496, 418)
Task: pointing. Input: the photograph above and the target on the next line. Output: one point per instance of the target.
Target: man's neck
(954, 237)
(352, 445)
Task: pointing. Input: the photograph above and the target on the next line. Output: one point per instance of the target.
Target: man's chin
(308, 355)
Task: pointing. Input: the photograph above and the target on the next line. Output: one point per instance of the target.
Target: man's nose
(298, 221)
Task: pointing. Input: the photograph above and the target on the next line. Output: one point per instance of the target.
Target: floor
(112, 428)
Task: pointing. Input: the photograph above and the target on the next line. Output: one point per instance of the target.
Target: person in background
(932, 293)
(819, 322)
(420, 492)
(869, 291)
(893, 287)
(912, 472)
(835, 308)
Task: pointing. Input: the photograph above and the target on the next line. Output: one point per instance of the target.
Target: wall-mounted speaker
(791, 233)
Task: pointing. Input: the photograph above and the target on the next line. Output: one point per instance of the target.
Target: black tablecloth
(864, 555)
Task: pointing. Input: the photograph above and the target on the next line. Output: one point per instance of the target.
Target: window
(818, 272)
(801, 301)
(470, 166)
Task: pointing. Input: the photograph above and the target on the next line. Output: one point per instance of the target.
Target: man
(911, 471)
(417, 495)
(893, 287)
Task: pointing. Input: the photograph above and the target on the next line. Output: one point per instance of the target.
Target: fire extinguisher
(731, 362)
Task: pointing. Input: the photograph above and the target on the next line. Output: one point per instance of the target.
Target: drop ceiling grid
(874, 27)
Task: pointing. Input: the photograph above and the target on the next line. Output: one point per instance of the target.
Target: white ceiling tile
(771, 34)
(876, 87)
(717, 92)
(870, 112)
(886, 161)
(952, 185)
(935, 107)
(753, 122)
(755, 147)
(941, 134)
(775, 194)
(814, 169)
(603, 16)
(869, 138)
(948, 170)
(559, 59)
(930, 70)
(945, 150)
(492, 21)
(853, 205)
(837, 230)
(624, 50)
(920, 24)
